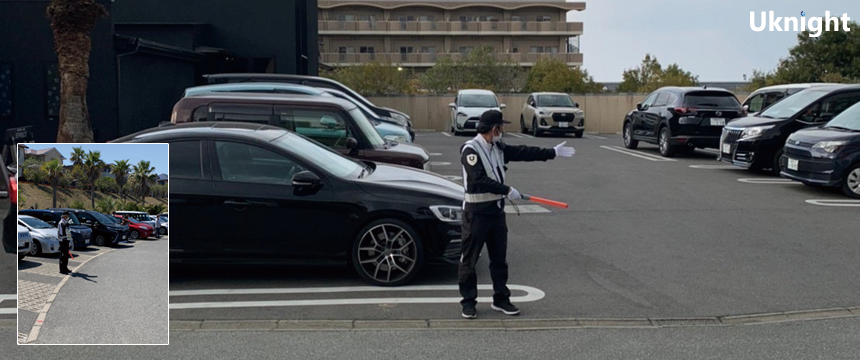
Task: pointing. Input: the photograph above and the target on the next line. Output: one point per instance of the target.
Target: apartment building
(415, 33)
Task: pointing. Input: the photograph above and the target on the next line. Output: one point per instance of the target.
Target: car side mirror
(452, 105)
(502, 106)
(746, 108)
(351, 143)
(306, 179)
(639, 106)
(576, 105)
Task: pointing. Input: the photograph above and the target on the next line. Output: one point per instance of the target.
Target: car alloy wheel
(523, 128)
(388, 253)
(134, 235)
(36, 249)
(852, 182)
(162, 231)
(665, 148)
(535, 132)
(628, 137)
(100, 240)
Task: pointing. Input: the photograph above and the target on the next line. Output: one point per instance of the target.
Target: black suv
(81, 235)
(757, 141)
(105, 231)
(681, 118)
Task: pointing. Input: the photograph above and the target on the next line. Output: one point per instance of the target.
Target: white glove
(564, 151)
(514, 194)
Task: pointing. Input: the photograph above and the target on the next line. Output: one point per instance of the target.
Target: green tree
(106, 184)
(130, 206)
(78, 156)
(155, 209)
(143, 178)
(832, 57)
(32, 171)
(53, 172)
(106, 205)
(650, 76)
(120, 171)
(77, 204)
(374, 78)
(79, 174)
(481, 68)
(443, 77)
(93, 165)
(22, 201)
(556, 76)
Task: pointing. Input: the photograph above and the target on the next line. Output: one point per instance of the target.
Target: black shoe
(67, 272)
(469, 312)
(506, 307)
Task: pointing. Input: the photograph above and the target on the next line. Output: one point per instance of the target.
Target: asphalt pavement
(116, 295)
(644, 237)
(8, 263)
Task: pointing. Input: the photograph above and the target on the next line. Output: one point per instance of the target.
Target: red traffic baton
(536, 199)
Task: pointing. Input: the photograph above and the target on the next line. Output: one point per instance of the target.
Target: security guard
(483, 159)
(65, 236)
(157, 227)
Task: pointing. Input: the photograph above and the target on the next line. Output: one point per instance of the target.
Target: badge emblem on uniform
(472, 159)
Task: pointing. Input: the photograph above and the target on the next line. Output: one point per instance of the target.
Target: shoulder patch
(472, 159)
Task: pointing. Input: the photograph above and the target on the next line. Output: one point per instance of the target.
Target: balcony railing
(430, 58)
(441, 27)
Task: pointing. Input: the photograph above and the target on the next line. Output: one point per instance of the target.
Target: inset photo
(93, 260)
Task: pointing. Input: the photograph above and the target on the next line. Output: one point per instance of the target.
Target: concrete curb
(512, 324)
(40, 319)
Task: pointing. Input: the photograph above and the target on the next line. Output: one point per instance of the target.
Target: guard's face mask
(497, 134)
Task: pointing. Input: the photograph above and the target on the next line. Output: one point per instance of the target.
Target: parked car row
(805, 132)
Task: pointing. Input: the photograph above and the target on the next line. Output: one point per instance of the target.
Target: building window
(343, 52)
(404, 20)
(5, 89)
(404, 50)
(515, 50)
(52, 91)
(544, 18)
(465, 50)
(368, 50)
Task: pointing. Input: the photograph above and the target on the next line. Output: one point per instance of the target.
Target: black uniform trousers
(478, 229)
(64, 255)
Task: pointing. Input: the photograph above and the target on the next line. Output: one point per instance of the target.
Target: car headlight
(755, 131)
(448, 213)
(397, 138)
(75, 231)
(829, 146)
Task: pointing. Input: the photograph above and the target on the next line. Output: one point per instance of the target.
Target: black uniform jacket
(478, 182)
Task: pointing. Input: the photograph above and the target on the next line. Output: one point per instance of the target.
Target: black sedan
(105, 231)
(756, 142)
(828, 155)
(681, 118)
(258, 194)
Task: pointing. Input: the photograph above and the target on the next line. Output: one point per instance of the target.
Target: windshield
(115, 219)
(101, 218)
(36, 223)
(793, 104)
(319, 155)
(554, 101)
(74, 219)
(848, 119)
(366, 110)
(711, 99)
(133, 220)
(478, 100)
(367, 128)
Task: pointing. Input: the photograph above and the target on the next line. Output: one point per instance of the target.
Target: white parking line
(769, 181)
(532, 294)
(4, 297)
(452, 177)
(714, 167)
(435, 154)
(515, 135)
(635, 153)
(710, 151)
(439, 163)
(7, 311)
(594, 137)
(446, 134)
(526, 209)
(527, 136)
(835, 203)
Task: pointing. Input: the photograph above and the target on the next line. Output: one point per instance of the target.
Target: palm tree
(54, 171)
(143, 177)
(93, 167)
(78, 156)
(71, 22)
(120, 172)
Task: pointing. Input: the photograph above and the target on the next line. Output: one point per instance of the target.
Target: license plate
(123, 237)
(727, 148)
(718, 121)
(563, 124)
(793, 164)
(86, 241)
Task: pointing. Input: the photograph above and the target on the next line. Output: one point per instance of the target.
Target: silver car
(44, 235)
(467, 108)
(546, 112)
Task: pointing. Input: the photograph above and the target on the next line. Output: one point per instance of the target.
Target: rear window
(711, 99)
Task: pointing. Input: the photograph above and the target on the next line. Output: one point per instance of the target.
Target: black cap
(65, 213)
(492, 118)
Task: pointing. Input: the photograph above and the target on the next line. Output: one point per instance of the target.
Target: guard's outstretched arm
(527, 153)
(477, 179)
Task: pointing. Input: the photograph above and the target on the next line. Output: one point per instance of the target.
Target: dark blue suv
(81, 234)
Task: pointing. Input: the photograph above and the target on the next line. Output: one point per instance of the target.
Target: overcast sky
(710, 38)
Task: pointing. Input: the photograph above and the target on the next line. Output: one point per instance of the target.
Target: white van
(137, 215)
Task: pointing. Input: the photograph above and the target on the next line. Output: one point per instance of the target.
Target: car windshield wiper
(765, 116)
(841, 128)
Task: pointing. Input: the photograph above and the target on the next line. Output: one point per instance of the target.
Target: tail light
(13, 193)
(686, 111)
